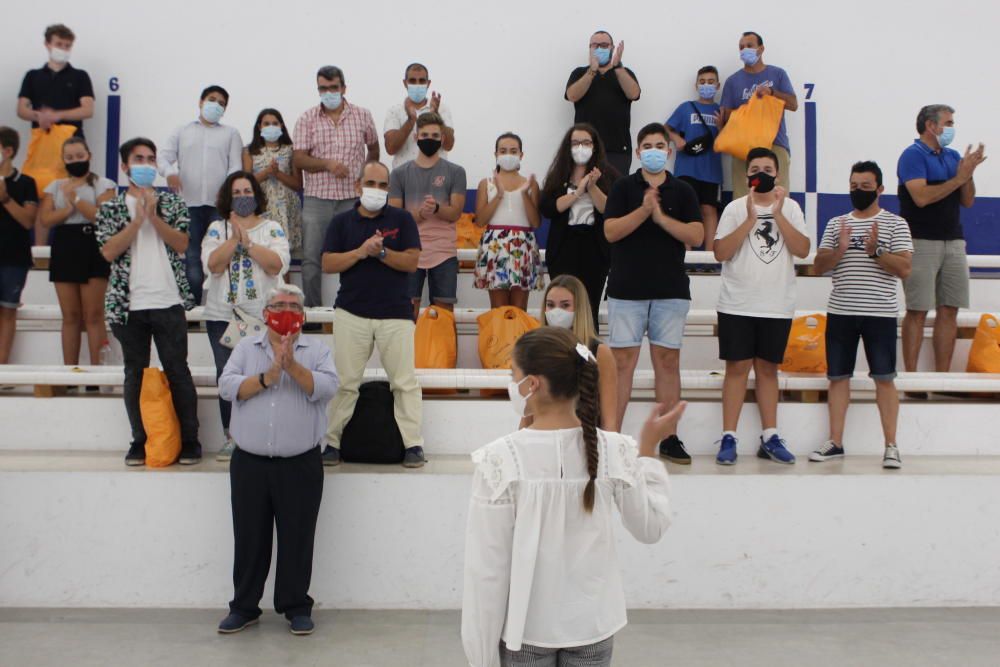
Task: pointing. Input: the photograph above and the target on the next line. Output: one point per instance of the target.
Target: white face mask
(518, 403)
(582, 154)
(558, 317)
(509, 162)
(373, 199)
(59, 55)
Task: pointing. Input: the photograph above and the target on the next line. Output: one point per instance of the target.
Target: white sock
(768, 432)
(732, 433)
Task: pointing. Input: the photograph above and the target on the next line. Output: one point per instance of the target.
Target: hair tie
(585, 353)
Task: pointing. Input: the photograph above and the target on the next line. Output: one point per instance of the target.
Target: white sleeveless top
(510, 212)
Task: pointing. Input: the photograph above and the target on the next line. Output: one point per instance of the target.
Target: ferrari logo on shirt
(766, 240)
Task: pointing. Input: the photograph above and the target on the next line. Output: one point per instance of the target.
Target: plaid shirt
(346, 141)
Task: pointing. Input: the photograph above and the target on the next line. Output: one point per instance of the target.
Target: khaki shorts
(940, 276)
(739, 173)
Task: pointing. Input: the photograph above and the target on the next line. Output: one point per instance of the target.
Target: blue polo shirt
(371, 288)
(940, 221)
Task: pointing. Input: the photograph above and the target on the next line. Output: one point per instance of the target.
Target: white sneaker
(226, 452)
(891, 459)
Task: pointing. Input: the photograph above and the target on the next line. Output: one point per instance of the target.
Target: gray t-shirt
(87, 193)
(412, 183)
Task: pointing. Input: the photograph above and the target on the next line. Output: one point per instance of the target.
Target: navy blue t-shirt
(370, 288)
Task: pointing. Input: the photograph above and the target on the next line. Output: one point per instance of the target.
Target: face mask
(518, 403)
(212, 112)
(509, 162)
(429, 147)
(582, 154)
(946, 136)
(416, 92)
(373, 199)
(284, 323)
(749, 56)
(862, 199)
(707, 91)
(603, 56)
(78, 169)
(559, 317)
(59, 55)
(761, 182)
(331, 100)
(142, 175)
(244, 205)
(653, 160)
(271, 132)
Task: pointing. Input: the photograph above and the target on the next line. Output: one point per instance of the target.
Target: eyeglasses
(282, 306)
(600, 45)
(586, 142)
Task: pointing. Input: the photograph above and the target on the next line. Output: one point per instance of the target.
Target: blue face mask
(212, 112)
(331, 100)
(142, 175)
(707, 91)
(603, 56)
(271, 132)
(653, 160)
(416, 92)
(946, 137)
(749, 56)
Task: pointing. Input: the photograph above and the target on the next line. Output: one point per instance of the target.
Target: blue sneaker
(235, 623)
(775, 450)
(301, 625)
(727, 451)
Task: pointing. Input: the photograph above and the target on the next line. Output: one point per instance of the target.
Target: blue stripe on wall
(113, 137)
(812, 159)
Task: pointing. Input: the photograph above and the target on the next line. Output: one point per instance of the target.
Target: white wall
(504, 66)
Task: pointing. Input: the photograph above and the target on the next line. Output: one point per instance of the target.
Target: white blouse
(244, 282)
(540, 569)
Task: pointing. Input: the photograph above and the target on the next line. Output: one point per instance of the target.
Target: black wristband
(260, 378)
(437, 207)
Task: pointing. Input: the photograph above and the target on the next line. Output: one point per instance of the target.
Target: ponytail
(587, 410)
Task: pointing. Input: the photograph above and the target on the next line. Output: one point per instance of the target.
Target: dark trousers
(622, 162)
(167, 327)
(201, 218)
(266, 492)
(221, 354)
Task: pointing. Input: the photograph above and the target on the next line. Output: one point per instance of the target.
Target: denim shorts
(878, 334)
(442, 282)
(661, 319)
(12, 279)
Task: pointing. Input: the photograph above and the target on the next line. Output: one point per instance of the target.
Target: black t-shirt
(606, 107)
(57, 90)
(370, 288)
(15, 240)
(649, 262)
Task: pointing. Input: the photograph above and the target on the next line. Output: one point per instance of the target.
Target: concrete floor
(141, 637)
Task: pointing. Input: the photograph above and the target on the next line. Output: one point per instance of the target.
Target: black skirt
(75, 255)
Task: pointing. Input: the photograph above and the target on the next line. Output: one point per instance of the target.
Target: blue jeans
(201, 218)
(442, 282)
(662, 320)
(221, 354)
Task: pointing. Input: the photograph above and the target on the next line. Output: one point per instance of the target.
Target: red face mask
(285, 322)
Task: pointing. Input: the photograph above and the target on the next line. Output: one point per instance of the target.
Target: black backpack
(372, 436)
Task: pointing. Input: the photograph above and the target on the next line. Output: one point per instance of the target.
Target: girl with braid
(542, 582)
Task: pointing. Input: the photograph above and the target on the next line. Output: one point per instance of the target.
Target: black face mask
(862, 199)
(761, 182)
(429, 147)
(78, 169)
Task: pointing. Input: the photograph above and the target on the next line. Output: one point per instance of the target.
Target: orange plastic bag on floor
(754, 124)
(499, 329)
(984, 355)
(163, 429)
(805, 351)
(435, 343)
(44, 161)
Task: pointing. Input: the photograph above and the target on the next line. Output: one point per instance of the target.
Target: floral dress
(508, 252)
(283, 204)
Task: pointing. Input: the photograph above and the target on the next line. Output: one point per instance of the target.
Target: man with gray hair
(279, 383)
(329, 145)
(934, 182)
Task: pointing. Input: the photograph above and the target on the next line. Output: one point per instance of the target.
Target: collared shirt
(113, 217)
(203, 155)
(940, 221)
(282, 420)
(396, 118)
(345, 141)
(60, 90)
(606, 107)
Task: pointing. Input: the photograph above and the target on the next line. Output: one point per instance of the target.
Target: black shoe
(672, 449)
(312, 327)
(414, 457)
(331, 456)
(301, 625)
(190, 454)
(235, 623)
(136, 455)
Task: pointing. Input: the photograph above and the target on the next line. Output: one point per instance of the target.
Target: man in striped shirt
(869, 250)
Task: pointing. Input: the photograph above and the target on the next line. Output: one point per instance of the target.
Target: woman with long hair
(542, 581)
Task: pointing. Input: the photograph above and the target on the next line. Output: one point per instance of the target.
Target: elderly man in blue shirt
(279, 384)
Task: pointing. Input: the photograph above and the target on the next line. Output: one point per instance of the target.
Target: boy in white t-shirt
(757, 238)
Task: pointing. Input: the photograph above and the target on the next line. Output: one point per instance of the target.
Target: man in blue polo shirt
(934, 182)
(374, 247)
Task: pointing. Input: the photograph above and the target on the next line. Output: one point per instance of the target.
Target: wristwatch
(879, 251)
(381, 254)
(437, 207)
(260, 378)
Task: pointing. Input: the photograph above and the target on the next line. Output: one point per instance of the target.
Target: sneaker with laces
(226, 453)
(190, 453)
(413, 457)
(829, 450)
(774, 449)
(136, 455)
(890, 459)
(727, 451)
(672, 449)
